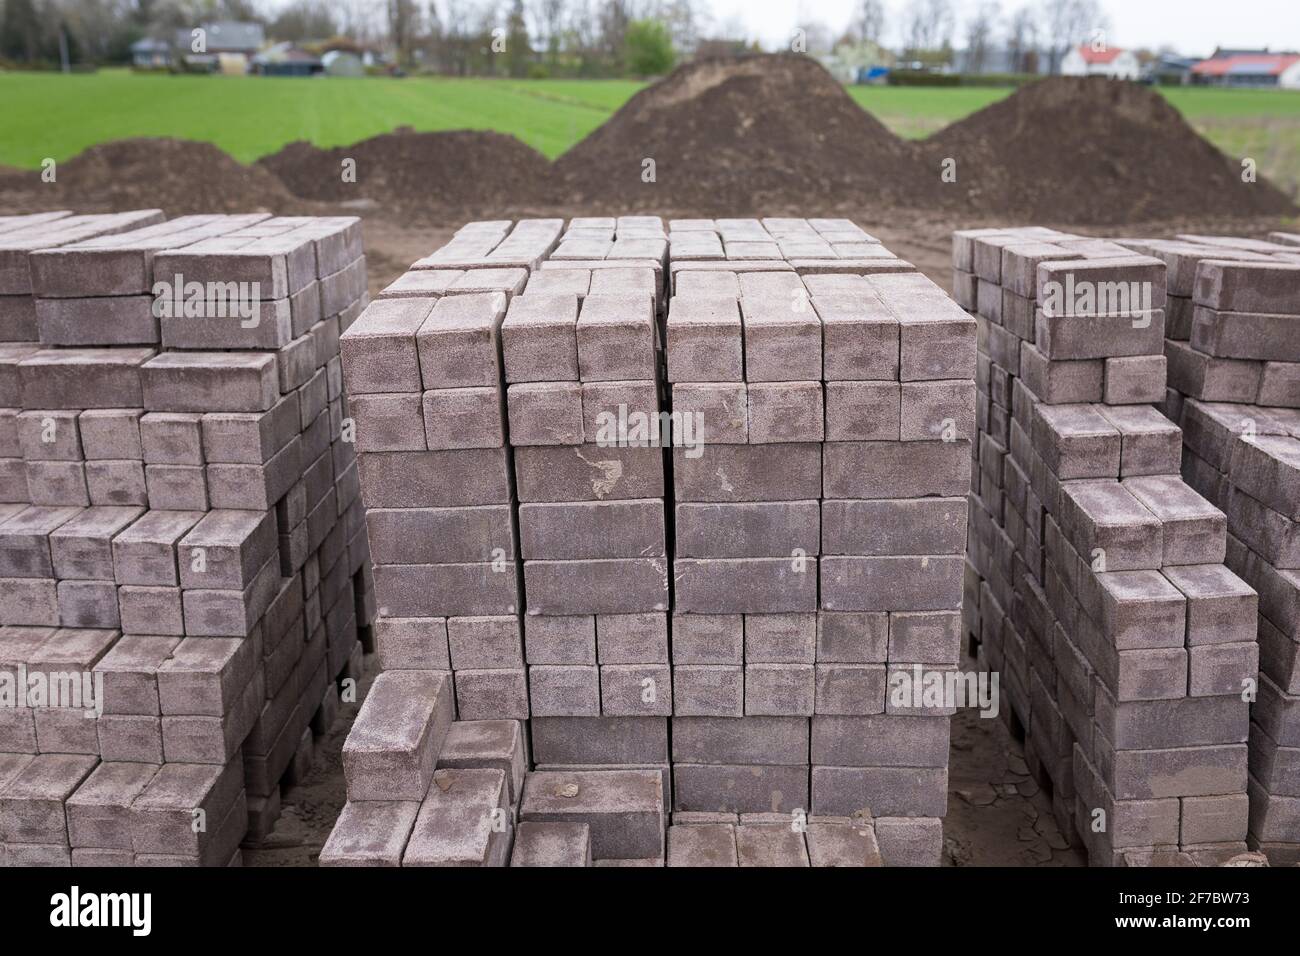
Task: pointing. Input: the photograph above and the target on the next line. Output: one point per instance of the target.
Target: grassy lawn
(248, 117)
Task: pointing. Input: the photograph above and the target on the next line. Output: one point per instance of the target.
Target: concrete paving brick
(697, 845)
(539, 339)
(604, 740)
(1247, 286)
(745, 473)
(1077, 441)
(99, 812)
(910, 841)
(545, 413)
(613, 412)
(388, 421)
(50, 435)
(81, 549)
(719, 410)
(1268, 469)
(481, 533)
(206, 676)
(83, 378)
(1180, 772)
(782, 333)
(937, 411)
(596, 529)
(880, 740)
(33, 799)
(862, 411)
(560, 640)
(747, 529)
(227, 549)
(926, 638)
(746, 585)
(785, 412)
(565, 690)
(739, 788)
(635, 690)
(1214, 669)
(598, 586)
(860, 336)
(491, 744)
(209, 382)
(494, 694)
(779, 690)
(708, 690)
(616, 338)
(770, 846)
(850, 689)
(116, 483)
(707, 639)
(893, 527)
(1103, 515)
(780, 638)
(463, 821)
(927, 583)
(177, 487)
(632, 638)
(704, 340)
(370, 833)
(1137, 609)
(436, 479)
(588, 473)
(1134, 380)
(870, 470)
(852, 637)
(129, 672)
(886, 791)
(622, 808)
(842, 844)
(552, 844)
(393, 746)
(444, 590)
(1193, 530)
(379, 351)
(1221, 608)
(251, 437)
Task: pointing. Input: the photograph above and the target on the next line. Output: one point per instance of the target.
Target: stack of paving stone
(184, 524)
(1224, 344)
(1096, 585)
(815, 531)
(424, 790)
(1244, 456)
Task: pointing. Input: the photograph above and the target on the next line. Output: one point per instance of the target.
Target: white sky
(1190, 26)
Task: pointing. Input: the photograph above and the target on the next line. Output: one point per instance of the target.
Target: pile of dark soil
(462, 169)
(174, 175)
(1093, 150)
(739, 137)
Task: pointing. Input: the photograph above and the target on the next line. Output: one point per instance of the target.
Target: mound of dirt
(460, 169)
(177, 176)
(1092, 150)
(739, 137)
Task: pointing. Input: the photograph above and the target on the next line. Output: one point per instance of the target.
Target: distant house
(1003, 60)
(342, 63)
(151, 53)
(1249, 68)
(225, 45)
(1170, 70)
(1084, 60)
(286, 59)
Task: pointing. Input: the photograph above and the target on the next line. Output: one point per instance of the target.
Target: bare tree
(929, 25)
(869, 21)
(1022, 41)
(979, 34)
(550, 16)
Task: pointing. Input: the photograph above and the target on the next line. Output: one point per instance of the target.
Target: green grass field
(59, 116)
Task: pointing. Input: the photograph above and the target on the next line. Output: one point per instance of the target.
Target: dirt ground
(997, 815)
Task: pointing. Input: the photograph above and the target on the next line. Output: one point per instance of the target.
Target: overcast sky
(1190, 26)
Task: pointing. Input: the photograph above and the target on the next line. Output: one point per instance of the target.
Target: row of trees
(555, 37)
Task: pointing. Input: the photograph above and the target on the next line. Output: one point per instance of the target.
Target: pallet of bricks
(1097, 583)
(1234, 387)
(629, 634)
(180, 527)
